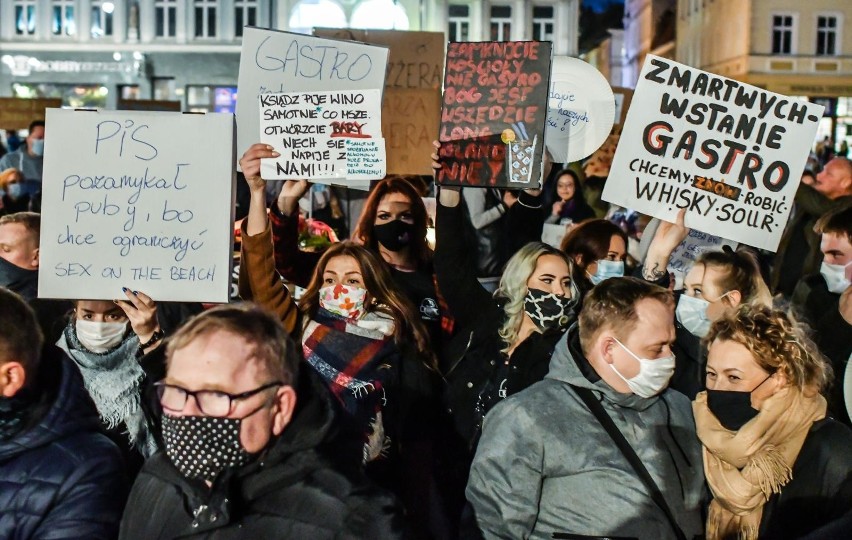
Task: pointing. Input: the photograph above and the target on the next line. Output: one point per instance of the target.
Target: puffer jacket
(544, 464)
(290, 491)
(61, 478)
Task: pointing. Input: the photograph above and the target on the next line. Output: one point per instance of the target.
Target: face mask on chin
(100, 337)
(653, 377)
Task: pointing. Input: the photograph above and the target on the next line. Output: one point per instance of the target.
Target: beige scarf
(744, 468)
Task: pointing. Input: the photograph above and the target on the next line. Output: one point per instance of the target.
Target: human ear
(285, 400)
(12, 378)
(735, 298)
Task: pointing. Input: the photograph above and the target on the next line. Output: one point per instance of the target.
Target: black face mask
(733, 409)
(203, 446)
(19, 280)
(548, 310)
(394, 235)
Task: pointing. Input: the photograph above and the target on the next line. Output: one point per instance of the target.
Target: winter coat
(545, 465)
(291, 491)
(61, 478)
(820, 491)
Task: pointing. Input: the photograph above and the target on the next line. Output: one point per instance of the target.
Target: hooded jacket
(61, 478)
(544, 464)
(290, 491)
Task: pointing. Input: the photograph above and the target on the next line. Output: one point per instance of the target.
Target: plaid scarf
(355, 358)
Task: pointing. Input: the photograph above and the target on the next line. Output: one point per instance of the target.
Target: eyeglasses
(211, 402)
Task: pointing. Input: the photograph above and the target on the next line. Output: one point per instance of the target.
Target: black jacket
(821, 489)
(291, 491)
(61, 478)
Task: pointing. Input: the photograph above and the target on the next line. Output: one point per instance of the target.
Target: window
(165, 16)
(826, 35)
(382, 14)
(782, 34)
(205, 18)
(459, 19)
(62, 20)
(311, 13)
(25, 17)
(245, 14)
(209, 98)
(542, 23)
(501, 23)
(102, 19)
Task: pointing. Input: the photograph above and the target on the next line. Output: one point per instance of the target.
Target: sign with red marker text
(730, 153)
(323, 135)
(493, 115)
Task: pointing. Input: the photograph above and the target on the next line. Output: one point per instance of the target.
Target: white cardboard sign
(688, 251)
(272, 61)
(323, 135)
(143, 200)
(730, 153)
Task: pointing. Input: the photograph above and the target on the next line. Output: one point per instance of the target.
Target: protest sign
(494, 112)
(126, 203)
(728, 152)
(688, 251)
(580, 110)
(17, 113)
(412, 97)
(553, 233)
(323, 135)
(274, 62)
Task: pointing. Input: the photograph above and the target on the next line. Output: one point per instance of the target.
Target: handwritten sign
(127, 203)
(493, 115)
(580, 110)
(728, 152)
(276, 62)
(311, 131)
(688, 251)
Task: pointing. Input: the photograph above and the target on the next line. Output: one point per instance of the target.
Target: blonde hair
(513, 286)
(6, 176)
(777, 343)
(741, 273)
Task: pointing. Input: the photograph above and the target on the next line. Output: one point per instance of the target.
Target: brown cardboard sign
(17, 113)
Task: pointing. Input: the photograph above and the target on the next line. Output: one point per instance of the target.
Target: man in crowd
(546, 465)
(243, 432)
(798, 253)
(19, 265)
(59, 477)
(29, 157)
(817, 298)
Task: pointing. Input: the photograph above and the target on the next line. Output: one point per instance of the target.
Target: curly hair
(513, 287)
(777, 342)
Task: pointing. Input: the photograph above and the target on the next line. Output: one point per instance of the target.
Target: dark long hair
(590, 241)
(578, 197)
(420, 251)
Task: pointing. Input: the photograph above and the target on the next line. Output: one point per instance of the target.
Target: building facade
(646, 30)
(95, 53)
(793, 47)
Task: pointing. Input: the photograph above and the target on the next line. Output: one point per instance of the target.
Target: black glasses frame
(161, 387)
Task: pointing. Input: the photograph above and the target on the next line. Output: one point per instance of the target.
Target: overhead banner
(125, 203)
(323, 135)
(730, 153)
(272, 61)
(580, 110)
(494, 112)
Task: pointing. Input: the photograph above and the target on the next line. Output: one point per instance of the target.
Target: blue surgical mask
(37, 147)
(15, 191)
(692, 314)
(607, 269)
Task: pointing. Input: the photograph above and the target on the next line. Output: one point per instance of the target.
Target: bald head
(835, 180)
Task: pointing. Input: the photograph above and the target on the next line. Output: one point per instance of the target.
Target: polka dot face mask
(203, 446)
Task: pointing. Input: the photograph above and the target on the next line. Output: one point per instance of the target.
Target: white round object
(580, 110)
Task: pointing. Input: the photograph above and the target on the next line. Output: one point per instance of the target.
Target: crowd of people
(484, 385)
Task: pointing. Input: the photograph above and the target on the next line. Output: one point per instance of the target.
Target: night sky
(600, 5)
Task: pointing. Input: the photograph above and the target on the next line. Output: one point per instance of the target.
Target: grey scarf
(113, 380)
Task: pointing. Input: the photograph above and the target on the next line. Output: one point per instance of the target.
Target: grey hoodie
(544, 464)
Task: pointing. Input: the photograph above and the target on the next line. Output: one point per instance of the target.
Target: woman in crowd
(598, 249)
(15, 198)
(777, 467)
(717, 284)
(106, 339)
(363, 338)
(569, 204)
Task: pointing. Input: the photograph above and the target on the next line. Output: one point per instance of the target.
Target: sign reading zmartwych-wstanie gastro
(730, 153)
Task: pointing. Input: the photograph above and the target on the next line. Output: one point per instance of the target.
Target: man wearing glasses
(242, 429)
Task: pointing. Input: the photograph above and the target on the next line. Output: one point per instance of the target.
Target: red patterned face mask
(344, 300)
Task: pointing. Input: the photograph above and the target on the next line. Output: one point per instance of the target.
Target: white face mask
(692, 314)
(653, 377)
(835, 276)
(100, 337)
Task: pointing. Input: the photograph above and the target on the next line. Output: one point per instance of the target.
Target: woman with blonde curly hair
(776, 465)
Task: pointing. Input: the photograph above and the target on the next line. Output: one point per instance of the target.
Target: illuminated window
(102, 19)
(25, 17)
(62, 20)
